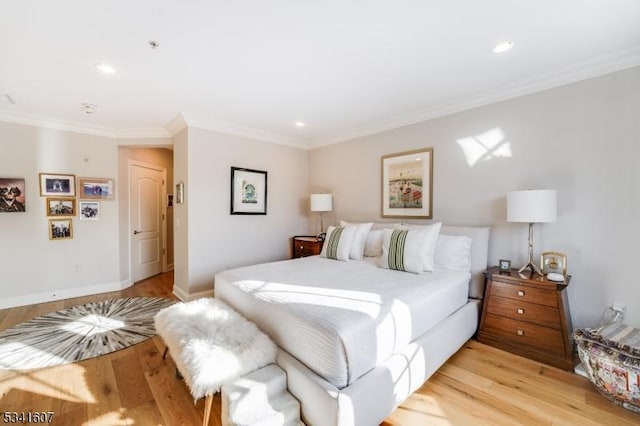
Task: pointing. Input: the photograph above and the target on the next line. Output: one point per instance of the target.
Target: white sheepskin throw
(212, 344)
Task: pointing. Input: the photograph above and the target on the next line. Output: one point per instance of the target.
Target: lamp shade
(321, 203)
(533, 206)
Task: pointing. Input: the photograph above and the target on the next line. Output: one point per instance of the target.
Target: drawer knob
(521, 293)
(520, 311)
(520, 332)
(301, 247)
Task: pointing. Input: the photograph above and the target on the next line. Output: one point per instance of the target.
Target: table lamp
(321, 203)
(532, 206)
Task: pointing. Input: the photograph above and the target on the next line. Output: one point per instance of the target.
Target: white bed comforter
(341, 319)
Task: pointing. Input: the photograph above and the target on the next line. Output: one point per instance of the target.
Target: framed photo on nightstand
(553, 261)
(504, 265)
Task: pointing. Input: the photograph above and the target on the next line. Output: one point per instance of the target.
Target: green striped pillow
(337, 243)
(401, 249)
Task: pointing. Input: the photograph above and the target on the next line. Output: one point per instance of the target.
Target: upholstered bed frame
(375, 395)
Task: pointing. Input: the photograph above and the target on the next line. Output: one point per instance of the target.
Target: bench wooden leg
(207, 410)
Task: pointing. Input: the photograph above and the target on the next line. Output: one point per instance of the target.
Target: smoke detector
(89, 108)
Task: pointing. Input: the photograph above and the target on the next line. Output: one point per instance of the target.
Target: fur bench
(212, 344)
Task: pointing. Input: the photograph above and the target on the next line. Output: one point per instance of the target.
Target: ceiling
(346, 68)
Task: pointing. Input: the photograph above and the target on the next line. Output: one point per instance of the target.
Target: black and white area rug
(79, 333)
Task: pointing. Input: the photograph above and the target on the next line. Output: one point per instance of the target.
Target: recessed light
(299, 124)
(503, 46)
(105, 68)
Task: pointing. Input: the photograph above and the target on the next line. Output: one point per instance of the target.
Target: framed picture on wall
(12, 198)
(60, 229)
(61, 206)
(248, 191)
(89, 210)
(407, 184)
(55, 184)
(99, 188)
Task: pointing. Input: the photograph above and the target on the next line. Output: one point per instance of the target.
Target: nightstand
(306, 246)
(529, 316)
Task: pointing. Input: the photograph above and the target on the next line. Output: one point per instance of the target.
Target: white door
(146, 192)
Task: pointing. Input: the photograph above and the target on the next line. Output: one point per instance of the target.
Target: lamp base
(531, 266)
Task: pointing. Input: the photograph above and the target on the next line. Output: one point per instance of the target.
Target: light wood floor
(479, 385)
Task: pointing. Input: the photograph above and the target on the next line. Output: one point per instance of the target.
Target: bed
(356, 339)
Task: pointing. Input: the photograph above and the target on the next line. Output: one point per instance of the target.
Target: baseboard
(67, 293)
(187, 297)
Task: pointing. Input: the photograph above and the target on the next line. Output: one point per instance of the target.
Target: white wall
(216, 239)
(581, 139)
(36, 269)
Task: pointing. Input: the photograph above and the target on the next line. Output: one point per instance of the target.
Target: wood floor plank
(173, 398)
(131, 380)
(105, 388)
(135, 386)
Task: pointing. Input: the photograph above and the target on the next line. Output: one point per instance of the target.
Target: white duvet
(341, 319)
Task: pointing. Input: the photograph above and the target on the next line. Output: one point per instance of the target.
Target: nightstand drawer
(529, 294)
(538, 338)
(302, 251)
(306, 246)
(524, 311)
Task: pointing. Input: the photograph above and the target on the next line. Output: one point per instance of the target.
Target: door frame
(163, 210)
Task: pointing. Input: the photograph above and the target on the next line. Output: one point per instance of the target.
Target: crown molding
(143, 133)
(56, 124)
(67, 126)
(189, 120)
(586, 70)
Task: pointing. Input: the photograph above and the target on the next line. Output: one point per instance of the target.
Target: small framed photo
(89, 210)
(553, 261)
(12, 198)
(179, 193)
(504, 265)
(57, 185)
(60, 229)
(248, 191)
(61, 206)
(99, 188)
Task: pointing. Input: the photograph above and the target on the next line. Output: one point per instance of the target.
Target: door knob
(137, 232)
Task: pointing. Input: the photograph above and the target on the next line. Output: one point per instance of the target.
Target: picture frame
(179, 193)
(248, 191)
(553, 261)
(504, 265)
(57, 184)
(407, 184)
(61, 229)
(89, 210)
(12, 195)
(61, 206)
(96, 188)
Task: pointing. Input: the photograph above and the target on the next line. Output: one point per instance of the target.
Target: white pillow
(373, 243)
(357, 246)
(337, 243)
(402, 249)
(453, 252)
(429, 243)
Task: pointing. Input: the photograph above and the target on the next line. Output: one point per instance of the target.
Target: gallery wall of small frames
(65, 198)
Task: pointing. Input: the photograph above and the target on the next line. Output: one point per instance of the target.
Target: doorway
(147, 219)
